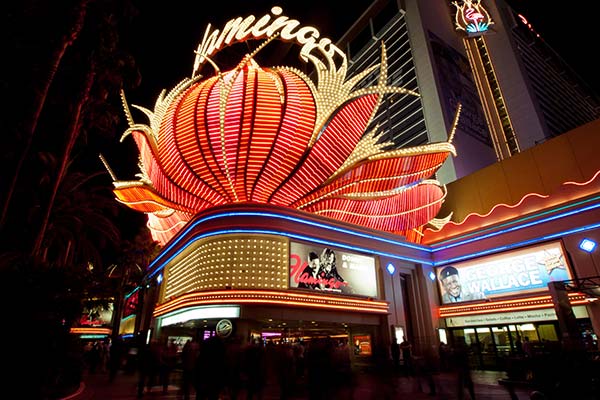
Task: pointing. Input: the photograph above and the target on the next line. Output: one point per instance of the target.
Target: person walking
(148, 365)
(395, 350)
(115, 357)
(209, 371)
(254, 368)
(406, 348)
(189, 355)
(168, 361)
(463, 369)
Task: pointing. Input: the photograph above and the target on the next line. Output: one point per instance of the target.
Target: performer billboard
(522, 271)
(326, 269)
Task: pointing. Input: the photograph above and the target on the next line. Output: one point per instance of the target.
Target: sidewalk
(368, 387)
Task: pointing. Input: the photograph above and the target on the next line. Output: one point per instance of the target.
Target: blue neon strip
(289, 235)
(289, 218)
(132, 292)
(519, 244)
(514, 228)
(432, 249)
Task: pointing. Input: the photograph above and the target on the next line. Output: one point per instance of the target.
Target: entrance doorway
(491, 346)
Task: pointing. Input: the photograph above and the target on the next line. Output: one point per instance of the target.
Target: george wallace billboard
(332, 270)
(517, 272)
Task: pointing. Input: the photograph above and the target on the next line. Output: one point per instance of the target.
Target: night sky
(165, 35)
(162, 36)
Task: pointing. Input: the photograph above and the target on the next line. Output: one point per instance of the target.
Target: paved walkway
(369, 386)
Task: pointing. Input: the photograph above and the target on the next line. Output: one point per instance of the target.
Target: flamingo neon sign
(471, 17)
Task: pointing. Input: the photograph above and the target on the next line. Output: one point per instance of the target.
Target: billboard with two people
(332, 270)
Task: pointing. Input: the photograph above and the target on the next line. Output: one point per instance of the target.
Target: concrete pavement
(369, 385)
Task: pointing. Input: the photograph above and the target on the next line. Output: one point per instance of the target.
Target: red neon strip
(189, 138)
(274, 302)
(405, 210)
(329, 152)
(298, 119)
(100, 331)
(274, 297)
(380, 175)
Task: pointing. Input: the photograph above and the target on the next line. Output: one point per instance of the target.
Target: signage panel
(331, 270)
(516, 272)
(96, 315)
(517, 317)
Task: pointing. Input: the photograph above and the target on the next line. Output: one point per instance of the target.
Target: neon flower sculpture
(273, 136)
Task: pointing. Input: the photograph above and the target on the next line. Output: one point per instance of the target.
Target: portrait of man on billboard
(308, 278)
(454, 291)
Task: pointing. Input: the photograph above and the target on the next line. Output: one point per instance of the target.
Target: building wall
(543, 169)
(528, 82)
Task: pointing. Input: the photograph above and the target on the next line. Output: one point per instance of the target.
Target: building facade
(515, 91)
(520, 195)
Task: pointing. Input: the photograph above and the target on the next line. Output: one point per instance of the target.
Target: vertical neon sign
(472, 17)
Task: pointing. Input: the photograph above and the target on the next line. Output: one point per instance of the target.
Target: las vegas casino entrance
(360, 332)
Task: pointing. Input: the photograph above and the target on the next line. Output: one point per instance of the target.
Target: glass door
(502, 345)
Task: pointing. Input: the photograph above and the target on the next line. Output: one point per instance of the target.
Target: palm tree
(130, 269)
(54, 205)
(82, 228)
(39, 99)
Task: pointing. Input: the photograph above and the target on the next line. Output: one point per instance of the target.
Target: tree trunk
(73, 134)
(40, 100)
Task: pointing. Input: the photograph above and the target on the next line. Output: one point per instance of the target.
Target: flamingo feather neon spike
(273, 136)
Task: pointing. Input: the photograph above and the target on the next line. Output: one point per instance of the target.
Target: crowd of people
(320, 368)
(216, 367)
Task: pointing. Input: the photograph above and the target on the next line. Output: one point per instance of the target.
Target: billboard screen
(516, 272)
(96, 315)
(331, 270)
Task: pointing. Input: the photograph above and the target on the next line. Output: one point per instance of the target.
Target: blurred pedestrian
(443, 353)
(168, 361)
(395, 350)
(285, 369)
(209, 372)
(299, 358)
(148, 364)
(94, 357)
(518, 346)
(463, 369)
(426, 368)
(233, 367)
(527, 349)
(406, 348)
(189, 355)
(254, 368)
(115, 358)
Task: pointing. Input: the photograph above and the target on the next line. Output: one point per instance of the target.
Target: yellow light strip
(508, 305)
(98, 331)
(273, 298)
